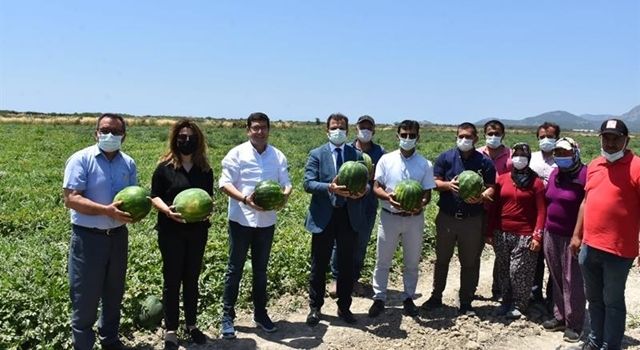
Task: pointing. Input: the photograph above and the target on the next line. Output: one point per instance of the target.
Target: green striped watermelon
(409, 194)
(150, 313)
(135, 201)
(354, 175)
(194, 204)
(268, 195)
(470, 184)
(366, 160)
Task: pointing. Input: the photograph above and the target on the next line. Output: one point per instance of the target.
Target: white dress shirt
(334, 154)
(393, 167)
(244, 167)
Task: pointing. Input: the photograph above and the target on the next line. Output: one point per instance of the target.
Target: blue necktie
(339, 199)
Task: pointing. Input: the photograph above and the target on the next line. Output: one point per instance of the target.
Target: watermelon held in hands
(135, 201)
(268, 195)
(354, 175)
(470, 184)
(194, 204)
(366, 160)
(409, 194)
(150, 313)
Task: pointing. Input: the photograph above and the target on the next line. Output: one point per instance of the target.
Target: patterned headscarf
(523, 178)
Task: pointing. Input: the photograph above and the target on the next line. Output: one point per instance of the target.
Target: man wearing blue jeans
(606, 234)
(250, 226)
(99, 237)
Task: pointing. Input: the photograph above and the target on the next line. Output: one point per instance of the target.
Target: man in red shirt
(606, 234)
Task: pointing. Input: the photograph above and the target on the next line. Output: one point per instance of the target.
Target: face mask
(407, 144)
(494, 141)
(520, 162)
(564, 162)
(612, 157)
(547, 144)
(337, 136)
(187, 147)
(365, 135)
(109, 142)
(465, 144)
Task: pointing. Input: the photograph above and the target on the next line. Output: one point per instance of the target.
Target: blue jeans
(360, 253)
(605, 276)
(241, 238)
(97, 269)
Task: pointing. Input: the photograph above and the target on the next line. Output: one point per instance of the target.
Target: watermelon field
(35, 229)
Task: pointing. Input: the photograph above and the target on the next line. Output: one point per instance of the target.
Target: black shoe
(376, 308)
(410, 308)
(347, 316)
(496, 295)
(117, 345)
(466, 309)
(313, 318)
(169, 345)
(196, 335)
(588, 345)
(432, 303)
(553, 325)
(265, 323)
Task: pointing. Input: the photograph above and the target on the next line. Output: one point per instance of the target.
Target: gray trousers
(466, 234)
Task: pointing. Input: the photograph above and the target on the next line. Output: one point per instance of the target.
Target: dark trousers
(338, 229)
(97, 269)
(538, 280)
(182, 254)
(241, 238)
(362, 242)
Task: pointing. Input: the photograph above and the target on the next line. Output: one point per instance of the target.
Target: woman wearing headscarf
(517, 220)
(182, 244)
(564, 193)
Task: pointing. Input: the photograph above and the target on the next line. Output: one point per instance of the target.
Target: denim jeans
(97, 267)
(241, 238)
(605, 276)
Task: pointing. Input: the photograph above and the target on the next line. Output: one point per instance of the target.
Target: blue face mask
(564, 162)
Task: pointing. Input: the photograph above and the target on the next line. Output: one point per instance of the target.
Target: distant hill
(568, 121)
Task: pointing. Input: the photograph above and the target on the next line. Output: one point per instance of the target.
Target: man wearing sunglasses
(99, 235)
(398, 223)
(460, 223)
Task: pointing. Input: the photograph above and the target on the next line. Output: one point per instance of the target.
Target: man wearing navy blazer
(334, 214)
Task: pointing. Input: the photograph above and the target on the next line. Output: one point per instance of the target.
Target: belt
(462, 215)
(106, 232)
(402, 213)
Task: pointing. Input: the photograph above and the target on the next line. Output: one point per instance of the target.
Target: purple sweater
(564, 195)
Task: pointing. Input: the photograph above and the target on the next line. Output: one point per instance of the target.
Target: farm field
(35, 229)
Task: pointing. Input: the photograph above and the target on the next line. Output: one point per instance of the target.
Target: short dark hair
(338, 117)
(409, 125)
(467, 125)
(494, 123)
(112, 116)
(547, 125)
(257, 117)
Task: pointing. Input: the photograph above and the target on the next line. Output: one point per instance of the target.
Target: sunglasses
(183, 137)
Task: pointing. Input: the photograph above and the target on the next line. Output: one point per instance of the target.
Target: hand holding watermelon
(250, 201)
(394, 203)
(340, 190)
(114, 212)
(174, 215)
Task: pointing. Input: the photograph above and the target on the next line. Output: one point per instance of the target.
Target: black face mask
(187, 147)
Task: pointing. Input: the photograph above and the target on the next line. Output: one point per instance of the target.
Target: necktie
(339, 201)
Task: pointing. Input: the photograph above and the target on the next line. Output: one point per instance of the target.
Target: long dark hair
(199, 157)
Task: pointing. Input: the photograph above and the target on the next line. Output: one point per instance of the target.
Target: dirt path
(439, 329)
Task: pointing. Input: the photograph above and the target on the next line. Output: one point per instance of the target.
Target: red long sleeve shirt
(516, 210)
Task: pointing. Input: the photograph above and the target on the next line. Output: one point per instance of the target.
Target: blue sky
(444, 61)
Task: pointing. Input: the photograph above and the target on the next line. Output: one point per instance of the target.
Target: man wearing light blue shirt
(99, 236)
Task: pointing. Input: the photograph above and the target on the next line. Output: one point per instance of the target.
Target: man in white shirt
(542, 163)
(250, 226)
(397, 223)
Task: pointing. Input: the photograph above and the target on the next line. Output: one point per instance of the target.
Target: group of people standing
(536, 205)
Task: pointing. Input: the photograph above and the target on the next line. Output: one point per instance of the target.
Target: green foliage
(35, 229)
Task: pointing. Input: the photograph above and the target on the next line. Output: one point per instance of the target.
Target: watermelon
(366, 160)
(150, 313)
(135, 201)
(470, 184)
(409, 194)
(194, 204)
(268, 195)
(354, 175)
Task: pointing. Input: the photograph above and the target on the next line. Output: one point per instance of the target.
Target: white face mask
(494, 141)
(520, 162)
(364, 135)
(464, 144)
(547, 144)
(109, 142)
(337, 136)
(612, 157)
(407, 144)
